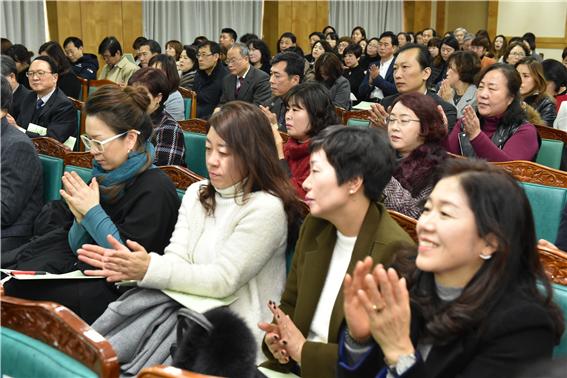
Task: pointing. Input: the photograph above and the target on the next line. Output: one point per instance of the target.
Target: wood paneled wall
(299, 17)
(93, 20)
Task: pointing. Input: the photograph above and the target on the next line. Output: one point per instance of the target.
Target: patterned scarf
(113, 183)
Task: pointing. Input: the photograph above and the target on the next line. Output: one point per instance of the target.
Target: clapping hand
(378, 115)
(79, 196)
(356, 317)
(471, 122)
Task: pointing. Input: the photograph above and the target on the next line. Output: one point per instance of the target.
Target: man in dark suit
(209, 78)
(287, 71)
(19, 92)
(22, 184)
(245, 83)
(412, 68)
(47, 106)
(379, 80)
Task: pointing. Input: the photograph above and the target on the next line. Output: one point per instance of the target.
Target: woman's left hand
(471, 122)
(117, 263)
(78, 194)
(389, 312)
(291, 337)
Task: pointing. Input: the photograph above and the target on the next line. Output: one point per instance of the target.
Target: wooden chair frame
(407, 223)
(527, 171)
(79, 159)
(50, 146)
(79, 105)
(195, 125)
(554, 263)
(357, 114)
(547, 132)
(84, 88)
(59, 327)
(163, 371)
(182, 177)
(99, 83)
(340, 113)
(188, 93)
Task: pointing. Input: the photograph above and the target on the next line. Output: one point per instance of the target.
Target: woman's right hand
(379, 115)
(356, 317)
(445, 90)
(273, 340)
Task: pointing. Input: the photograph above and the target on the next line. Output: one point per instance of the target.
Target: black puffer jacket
(86, 66)
(545, 106)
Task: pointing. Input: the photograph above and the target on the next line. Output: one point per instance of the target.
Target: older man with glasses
(47, 111)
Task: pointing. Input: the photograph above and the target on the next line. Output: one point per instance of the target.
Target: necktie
(239, 84)
(39, 104)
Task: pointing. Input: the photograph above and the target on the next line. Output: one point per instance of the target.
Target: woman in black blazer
(472, 308)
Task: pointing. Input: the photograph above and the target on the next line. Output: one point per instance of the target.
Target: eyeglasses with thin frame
(98, 145)
(204, 55)
(401, 121)
(233, 60)
(39, 74)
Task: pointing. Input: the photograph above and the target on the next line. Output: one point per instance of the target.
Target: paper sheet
(198, 303)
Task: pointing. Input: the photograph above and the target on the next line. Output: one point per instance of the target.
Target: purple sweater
(523, 145)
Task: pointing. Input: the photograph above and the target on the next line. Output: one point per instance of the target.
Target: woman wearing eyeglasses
(127, 198)
(415, 130)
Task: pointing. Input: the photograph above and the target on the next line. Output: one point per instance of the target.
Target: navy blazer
(255, 88)
(386, 84)
(57, 115)
(517, 332)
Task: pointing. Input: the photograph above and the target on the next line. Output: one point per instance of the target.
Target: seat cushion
(187, 103)
(84, 173)
(550, 153)
(195, 152)
(560, 297)
(547, 203)
(23, 356)
(52, 172)
(358, 122)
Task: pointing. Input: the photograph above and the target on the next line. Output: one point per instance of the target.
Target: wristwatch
(404, 363)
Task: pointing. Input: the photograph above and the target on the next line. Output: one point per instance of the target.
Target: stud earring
(485, 257)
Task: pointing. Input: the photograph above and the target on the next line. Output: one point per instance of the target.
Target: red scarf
(297, 157)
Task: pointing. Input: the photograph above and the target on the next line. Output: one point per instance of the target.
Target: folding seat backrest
(547, 203)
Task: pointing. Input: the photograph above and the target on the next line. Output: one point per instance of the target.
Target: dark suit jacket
(386, 84)
(517, 332)
(378, 238)
(57, 115)
(277, 107)
(255, 88)
(17, 97)
(450, 110)
(22, 184)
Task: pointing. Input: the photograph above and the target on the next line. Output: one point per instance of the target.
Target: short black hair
(530, 38)
(317, 102)
(76, 41)
(191, 52)
(19, 53)
(423, 57)
(354, 49)
(213, 46)
(5, 94)
(392, 37)
(230, 31)
(111, 44)
(318, 34)
(50, 61)
(139, 41)
(433, 31)
(246, 38)
(555, 71)
(155, 47)
(198, 40)
(295, 63)
(358, 152)
(8, 65)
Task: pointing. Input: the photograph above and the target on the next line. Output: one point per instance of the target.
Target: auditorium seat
(190, 101)
(547, 203)
(550, 153)
(358, 118)
(181, 177)
(45, 339)
(81, 163)
(195, 134)
(52, 171)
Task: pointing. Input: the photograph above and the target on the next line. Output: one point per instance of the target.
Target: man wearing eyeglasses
(117, 68)
(47, 111)
(208, 79)
(245, 83)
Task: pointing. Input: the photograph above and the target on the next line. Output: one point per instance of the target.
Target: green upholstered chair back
(547, 203)
(52, 172)
(23, 356)
(187, 102)
(560, 297)
(195, 152)
(84, 173)
(358, 122)
(550, 153)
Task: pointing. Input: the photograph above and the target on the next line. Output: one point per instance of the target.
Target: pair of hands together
(377, 305)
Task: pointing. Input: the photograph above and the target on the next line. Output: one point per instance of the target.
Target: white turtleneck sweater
(239, 250)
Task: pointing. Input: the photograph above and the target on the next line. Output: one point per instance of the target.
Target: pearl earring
(485, 257)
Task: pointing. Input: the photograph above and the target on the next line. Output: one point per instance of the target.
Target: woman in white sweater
(231, 234)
